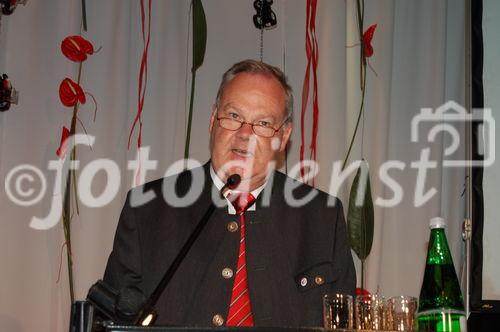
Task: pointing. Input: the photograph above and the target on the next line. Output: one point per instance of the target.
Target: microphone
(148, 313)
(233, 181)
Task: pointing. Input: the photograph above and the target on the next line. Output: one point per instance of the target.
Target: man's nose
(246, 130)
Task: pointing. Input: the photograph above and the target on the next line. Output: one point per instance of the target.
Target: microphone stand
(148, 312)
(149, 304)
(122, 306)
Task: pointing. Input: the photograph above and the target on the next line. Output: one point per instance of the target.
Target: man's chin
(242, 168)
(245, 174)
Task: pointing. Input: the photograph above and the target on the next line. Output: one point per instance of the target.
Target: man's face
(252, 98)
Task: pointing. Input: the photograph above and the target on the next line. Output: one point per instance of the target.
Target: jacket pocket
(316, 276)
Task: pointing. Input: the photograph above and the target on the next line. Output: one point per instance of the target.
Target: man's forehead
(257, 79)
(257, 112)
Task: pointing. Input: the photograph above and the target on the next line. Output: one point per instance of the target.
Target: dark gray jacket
(294, 255)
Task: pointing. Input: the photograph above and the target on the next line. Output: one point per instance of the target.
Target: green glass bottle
(440, 305)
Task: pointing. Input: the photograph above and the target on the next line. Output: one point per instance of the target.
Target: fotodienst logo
(27, 185)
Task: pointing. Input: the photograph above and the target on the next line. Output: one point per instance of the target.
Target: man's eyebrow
(230, 106)
(259, 117)
(267, 118)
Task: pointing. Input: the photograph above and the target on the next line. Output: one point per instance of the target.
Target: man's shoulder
(182, 180)
(300, 189)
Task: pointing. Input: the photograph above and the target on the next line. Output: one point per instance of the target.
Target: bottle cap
(437, 222)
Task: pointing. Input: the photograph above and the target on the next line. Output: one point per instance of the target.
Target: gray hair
(258, 67)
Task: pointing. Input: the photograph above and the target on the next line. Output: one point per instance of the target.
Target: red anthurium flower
(70, 92)
(367, 40)
(362, 291)
(76, 48)
(6, 84)
(61, 151)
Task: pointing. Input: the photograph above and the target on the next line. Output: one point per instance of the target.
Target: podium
(117, 328)
(82, 315)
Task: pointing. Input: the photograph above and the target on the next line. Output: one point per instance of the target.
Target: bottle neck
(438, 252)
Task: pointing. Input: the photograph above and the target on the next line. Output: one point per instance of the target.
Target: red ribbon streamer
(312, 65)
(143, 74)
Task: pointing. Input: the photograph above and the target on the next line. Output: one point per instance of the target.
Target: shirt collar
(219, 184)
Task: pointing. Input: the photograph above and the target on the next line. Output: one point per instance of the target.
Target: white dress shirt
(219, 184)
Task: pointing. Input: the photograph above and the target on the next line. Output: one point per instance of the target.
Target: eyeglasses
(258, 129)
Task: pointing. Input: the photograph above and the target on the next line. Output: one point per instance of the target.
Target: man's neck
(219, 183)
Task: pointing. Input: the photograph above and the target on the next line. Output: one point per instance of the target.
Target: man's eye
(264, 124)
(234, 116)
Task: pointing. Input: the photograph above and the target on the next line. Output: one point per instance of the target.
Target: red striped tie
(240, 309)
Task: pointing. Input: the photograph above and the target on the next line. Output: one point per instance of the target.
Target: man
(267, 266)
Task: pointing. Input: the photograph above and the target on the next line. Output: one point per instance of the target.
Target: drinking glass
(337, 311)
(369, 312)
(400, 313)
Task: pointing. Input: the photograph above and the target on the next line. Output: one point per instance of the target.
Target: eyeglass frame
(218, 118)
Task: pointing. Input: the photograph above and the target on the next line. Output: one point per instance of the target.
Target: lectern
(214, 329)
(224, 329)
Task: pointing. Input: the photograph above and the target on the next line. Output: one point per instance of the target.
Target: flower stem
(361, 109)
(362, 72)
(190, 119)
(66, 213)
(363, 274)
(67, 235)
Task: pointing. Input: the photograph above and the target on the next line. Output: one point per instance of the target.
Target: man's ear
(212, 119)
(287, 131)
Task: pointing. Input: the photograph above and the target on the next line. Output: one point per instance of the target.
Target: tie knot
(241, 201)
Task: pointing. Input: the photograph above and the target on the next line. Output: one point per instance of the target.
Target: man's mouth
(242, 153)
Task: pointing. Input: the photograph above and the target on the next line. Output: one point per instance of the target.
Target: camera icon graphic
(446, 117)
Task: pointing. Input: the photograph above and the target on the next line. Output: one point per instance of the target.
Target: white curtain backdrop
(419, 61)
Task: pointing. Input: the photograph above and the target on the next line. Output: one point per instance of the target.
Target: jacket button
(319, 280)
(303, 282)
(218, 320)
(232, 226)
(227, 273)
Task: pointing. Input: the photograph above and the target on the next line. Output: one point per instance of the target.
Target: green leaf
(199, 46)
(199, 34)
(360, 217)
(84, 16)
